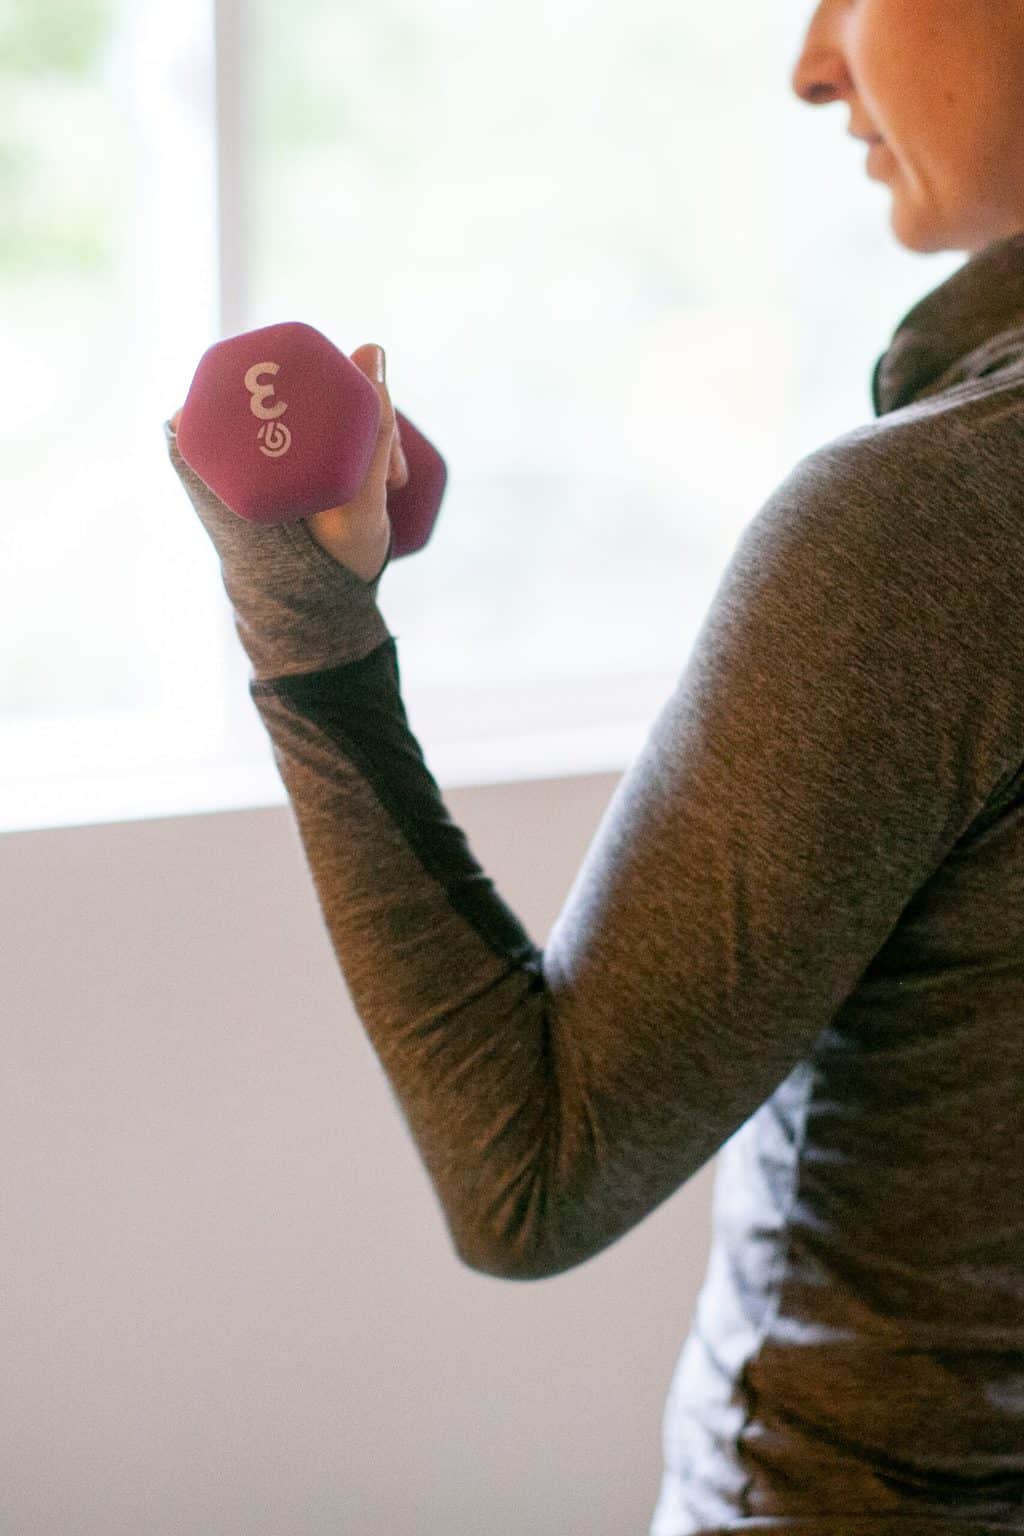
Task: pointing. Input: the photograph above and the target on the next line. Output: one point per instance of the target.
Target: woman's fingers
(398, 469)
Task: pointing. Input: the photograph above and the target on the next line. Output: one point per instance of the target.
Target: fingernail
(382, 367)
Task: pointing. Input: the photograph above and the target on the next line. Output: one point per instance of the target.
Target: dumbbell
(280, 424)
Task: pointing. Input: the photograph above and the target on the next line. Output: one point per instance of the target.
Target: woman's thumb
(370, 359)
(389, 458)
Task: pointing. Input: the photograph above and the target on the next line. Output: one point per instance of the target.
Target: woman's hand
(357, 534)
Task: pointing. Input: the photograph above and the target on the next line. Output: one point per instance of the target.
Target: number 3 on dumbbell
(274, 442)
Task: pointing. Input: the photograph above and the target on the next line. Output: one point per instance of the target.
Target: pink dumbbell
(280, 424)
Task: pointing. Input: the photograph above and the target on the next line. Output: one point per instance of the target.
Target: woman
(797, 938)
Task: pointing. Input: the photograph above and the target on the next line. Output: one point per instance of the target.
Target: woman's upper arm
(848, 706)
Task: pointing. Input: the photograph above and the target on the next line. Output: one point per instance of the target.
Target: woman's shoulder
(947, 470)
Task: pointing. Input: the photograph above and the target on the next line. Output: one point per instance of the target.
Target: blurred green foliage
(41, 40)
(49, 51)
(322, 91)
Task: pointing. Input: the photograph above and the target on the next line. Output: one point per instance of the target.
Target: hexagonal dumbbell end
(280, 424)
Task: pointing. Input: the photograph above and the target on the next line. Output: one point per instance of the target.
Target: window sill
(206, 788)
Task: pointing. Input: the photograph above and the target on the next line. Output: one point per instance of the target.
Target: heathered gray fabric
(796, 940)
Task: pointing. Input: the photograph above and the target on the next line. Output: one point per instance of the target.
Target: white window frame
(188, 68)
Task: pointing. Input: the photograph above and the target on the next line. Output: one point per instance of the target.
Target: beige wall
(229, 1304)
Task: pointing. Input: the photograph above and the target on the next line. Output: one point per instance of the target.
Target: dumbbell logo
(274, 438)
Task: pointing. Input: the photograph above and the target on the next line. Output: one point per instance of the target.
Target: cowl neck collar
(963, 329)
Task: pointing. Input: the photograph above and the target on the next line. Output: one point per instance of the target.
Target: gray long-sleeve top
(796, 940)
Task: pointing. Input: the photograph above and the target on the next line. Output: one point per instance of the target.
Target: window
(624, 280)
